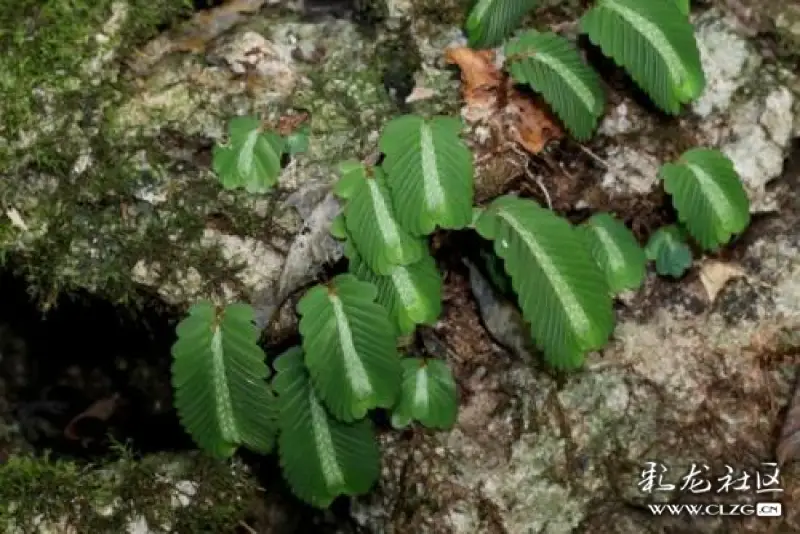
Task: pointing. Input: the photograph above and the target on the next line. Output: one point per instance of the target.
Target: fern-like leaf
(616, 250)
(654, 42)
(429, 395)
(349, 346)
(371, 222)
(429, 171)
(252, 157)
(411, 293)
(551, 65)
(561, 290)
(321, 457)
(491, 21)
(708, 195)
(219, 377)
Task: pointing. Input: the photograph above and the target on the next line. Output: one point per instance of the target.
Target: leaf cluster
(316, 406)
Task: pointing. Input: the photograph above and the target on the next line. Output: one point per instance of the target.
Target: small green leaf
(429, 395)
(321, 458)
(374, 231)
(429, 172)
(251, 159)
(654, 41)
(491, 21)
(338, 229)
(616, 251)
(561, 290)
(349, 346)
(708, 195)
(411, 293)
(219, 377)
(352, 174)
(668, 248)
(297, 141)
(552, 65)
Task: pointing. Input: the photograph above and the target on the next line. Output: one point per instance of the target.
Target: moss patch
(193, 494)
(46, 44)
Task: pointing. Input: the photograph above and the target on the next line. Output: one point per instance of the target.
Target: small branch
(594, 156)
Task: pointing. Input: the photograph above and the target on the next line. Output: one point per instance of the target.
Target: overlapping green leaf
(349, 345)
(219, 377)
(560, 288)
(616, 251)
(708, 195)
(429, 172)
(321, 457)
(252, 157)
(371, 222)
(411, 293)
(668, 248)
(683, 5)
(428, 395)
(551, 65)
(491, 21)
(654, 41)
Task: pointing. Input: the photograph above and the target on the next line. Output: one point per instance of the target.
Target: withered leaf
(481, 79)
(101, 410)
(715, 274)
(490, 95)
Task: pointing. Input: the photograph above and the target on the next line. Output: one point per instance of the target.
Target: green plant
(565, 276)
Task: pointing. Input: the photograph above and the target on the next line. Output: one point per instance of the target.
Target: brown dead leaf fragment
(715, 274)
(480, 78)
(101, 410)
(530, 125)
(491, 96)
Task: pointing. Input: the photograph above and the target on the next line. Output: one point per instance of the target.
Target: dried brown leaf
(489, 94)
(715, 274)
(530, 124)
(481, 79)
(102, 410)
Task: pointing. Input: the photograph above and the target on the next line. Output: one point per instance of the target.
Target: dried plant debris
(491, 97)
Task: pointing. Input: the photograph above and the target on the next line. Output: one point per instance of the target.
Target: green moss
(45, 44)
(105, 497)
(346, 104)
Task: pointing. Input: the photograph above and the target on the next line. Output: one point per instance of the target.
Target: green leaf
(683, 5)
(349, 346)
(561, 290)
(352, 175)
(297, 141)
(429, 395)
(338, 228)
(491, 21)
(708, 196)
(251, 159)
(616, 251)
(429, 171)
(552, 66)
(219, 377)
(654, 42)
(373, 228)
(411, 293)
(668, 248)
(321, 458)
